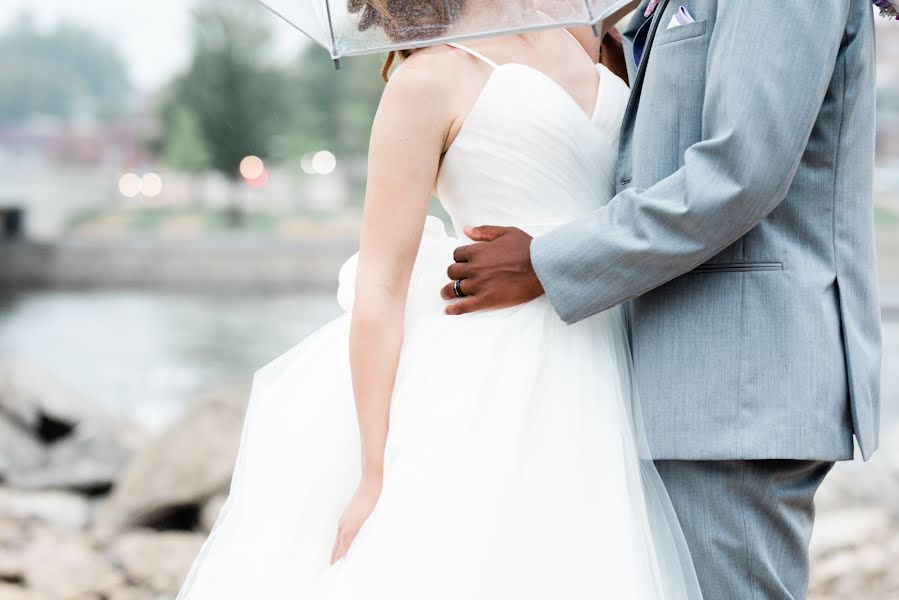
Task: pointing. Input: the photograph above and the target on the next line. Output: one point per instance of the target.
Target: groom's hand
(495, 273)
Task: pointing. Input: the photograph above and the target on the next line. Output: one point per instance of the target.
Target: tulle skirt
(514, 468)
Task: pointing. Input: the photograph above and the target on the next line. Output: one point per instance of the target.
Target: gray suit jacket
(742, 231)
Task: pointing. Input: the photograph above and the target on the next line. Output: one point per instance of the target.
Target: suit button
(625, 180)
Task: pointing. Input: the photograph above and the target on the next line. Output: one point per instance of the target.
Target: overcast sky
(152, 35)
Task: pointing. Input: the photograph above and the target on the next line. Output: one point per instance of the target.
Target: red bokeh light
(259, 182)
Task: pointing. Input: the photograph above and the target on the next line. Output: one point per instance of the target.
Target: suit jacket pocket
(740, 267)
(682, 32)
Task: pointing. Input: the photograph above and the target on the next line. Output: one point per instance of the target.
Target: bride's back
(555, 53)
(533, 142)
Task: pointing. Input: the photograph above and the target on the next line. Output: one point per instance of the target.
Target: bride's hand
(355, 515)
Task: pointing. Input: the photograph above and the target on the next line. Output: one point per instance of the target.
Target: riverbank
(93, 508)
(236, 263)
(151, 262)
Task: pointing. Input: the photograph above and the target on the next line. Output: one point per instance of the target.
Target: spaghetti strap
(474, 53)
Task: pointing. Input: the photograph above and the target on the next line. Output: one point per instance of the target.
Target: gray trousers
(748, 523)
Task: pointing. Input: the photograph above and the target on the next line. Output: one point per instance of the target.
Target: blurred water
(148, 354)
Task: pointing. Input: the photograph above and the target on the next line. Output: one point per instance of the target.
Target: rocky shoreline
(92, 508)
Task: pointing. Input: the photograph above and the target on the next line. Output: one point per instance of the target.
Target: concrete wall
(227, 264)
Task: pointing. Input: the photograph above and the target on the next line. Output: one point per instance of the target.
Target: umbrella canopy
(355, 27)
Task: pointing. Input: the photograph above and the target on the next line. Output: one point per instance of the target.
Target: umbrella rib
(592, 18)
(618, 9)
(331, 30)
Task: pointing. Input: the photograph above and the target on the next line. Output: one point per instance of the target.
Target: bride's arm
(407, 140)
(404, 156)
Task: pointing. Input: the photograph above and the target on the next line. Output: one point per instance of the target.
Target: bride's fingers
(485, 233)
(335, 549)
(340, 550)
(462, 307)
(342, 544)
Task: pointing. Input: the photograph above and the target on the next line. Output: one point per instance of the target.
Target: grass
(149, 219)
(84, 218)
(219, 222)
(196, 221)
(152, 219)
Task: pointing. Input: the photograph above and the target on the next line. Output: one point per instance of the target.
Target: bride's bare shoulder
(429, 72)
(422, 94)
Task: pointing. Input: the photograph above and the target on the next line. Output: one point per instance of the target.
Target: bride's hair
(406, 21)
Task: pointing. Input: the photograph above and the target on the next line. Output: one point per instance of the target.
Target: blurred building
(54, 168)
(888, 92)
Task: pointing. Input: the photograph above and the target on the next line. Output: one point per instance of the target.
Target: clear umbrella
(354, 27)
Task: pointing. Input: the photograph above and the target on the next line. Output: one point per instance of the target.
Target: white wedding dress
(515, 468)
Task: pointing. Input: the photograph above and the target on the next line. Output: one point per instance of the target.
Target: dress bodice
(529, 156)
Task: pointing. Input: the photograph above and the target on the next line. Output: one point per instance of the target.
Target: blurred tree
(237, 97)
(316, 120)
(62, 73)
(335, 109)
(185, 148)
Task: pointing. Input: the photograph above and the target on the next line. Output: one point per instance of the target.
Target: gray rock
(52, 438)
(210, 511)
(19, 449)
(13, 533)
(132, 593)
(862, 573)
(889, 448)
(62, 564)
(9, 591)
(57, 509)
(849, 529)
(29, 396)
(857, 483)
(156, 561)
(184, 467)
(12, 565)
(89, 461)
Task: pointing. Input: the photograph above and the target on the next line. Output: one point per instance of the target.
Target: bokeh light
(129, 185)
(252, 167)
(318, 163)
(324, 162)
(258, 182)
(151, 185)
(306, 164)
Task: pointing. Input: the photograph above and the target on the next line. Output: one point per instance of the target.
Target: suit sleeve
(769, 68)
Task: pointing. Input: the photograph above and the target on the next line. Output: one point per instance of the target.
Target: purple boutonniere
(888, 8)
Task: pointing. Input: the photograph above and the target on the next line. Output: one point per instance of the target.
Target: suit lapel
(637, 80)
(629, 35)
(625, 166)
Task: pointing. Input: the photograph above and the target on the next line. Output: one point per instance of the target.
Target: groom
(741, 237)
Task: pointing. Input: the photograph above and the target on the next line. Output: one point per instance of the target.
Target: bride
(491, 456)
